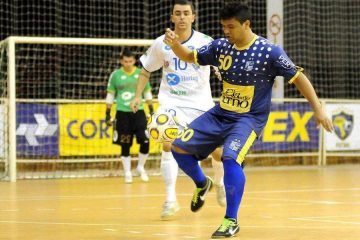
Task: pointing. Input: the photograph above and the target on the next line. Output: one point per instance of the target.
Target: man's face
(127, 62)
(182, 16)
(234, 31)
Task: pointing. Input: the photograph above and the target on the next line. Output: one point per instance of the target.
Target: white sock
(142, 161)
(169, 171)
(126, 161)
(218, 172)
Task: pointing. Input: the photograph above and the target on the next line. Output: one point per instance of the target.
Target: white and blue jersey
(248, 75)
(185, 85)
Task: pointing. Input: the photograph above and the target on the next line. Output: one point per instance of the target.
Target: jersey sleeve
(151, 60)
(206, 55)
(284, 66)
(111, 83)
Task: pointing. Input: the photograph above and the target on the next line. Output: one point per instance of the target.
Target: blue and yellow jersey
(248, 75)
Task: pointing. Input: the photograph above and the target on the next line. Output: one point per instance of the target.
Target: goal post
(10, 102)
(52, 110)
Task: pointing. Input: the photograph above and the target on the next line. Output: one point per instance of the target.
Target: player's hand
(170, 38)
(108, 118)
(323, 120)
(134, 104)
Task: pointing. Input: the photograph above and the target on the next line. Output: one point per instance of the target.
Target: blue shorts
(212, 130)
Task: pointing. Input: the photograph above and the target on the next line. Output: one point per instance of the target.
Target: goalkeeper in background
(185, 91)
(122, 85)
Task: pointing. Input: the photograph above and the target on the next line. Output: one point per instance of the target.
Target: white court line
(333, 216)
(305, 190)
(275, 226)
(121, 196)
(304, 201)
(324, 220)
(46, 209)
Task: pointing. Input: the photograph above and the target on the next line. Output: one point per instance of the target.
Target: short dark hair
(239, 11)
(183, 2)
(126, 53)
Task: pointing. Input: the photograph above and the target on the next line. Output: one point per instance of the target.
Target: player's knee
(167, 146)
(178, 150)
(125, 149)
(217, 154)
(144, 147)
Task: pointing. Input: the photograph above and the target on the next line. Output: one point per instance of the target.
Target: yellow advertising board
(83, 132)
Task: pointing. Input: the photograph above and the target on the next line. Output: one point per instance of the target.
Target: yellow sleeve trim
(249, 142)
(196, 57)
(299, 70)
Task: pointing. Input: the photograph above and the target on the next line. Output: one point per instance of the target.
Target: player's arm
(142, 81)
(304, 85)
(110, 96)
(180, 51)
(148, 98)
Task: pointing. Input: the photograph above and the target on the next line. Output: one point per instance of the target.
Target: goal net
(59, 86)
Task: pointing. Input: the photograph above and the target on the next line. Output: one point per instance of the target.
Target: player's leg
(236, 146)
(218, 176)
(169, 171)
(126, 161)
(196, 142)
(142, 139)
(123, 136)
(188, 115)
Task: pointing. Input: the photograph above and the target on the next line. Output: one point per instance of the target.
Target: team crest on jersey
(249, 65)
(344, 123)
(235, 145)
(204, 48)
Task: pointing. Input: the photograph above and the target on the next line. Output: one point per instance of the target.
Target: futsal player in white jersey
(184, 91)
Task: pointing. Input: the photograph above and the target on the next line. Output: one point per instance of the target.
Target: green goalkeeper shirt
(123, 85)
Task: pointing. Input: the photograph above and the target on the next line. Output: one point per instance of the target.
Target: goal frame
(11, 71)
(10, 101)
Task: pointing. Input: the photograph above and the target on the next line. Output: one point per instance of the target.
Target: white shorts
(185, 115)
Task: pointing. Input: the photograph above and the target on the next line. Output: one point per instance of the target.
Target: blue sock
(234, 181)
(189, 164)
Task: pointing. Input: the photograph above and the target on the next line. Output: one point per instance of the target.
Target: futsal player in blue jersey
(248, 64)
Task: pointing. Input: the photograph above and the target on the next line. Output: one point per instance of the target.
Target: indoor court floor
(281, 203)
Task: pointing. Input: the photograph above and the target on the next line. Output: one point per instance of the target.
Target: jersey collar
(247, 45)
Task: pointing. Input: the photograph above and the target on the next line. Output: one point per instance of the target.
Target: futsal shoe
(199, 195)
(143, 175)
(227, 229)
(169, 210)
(128, 177)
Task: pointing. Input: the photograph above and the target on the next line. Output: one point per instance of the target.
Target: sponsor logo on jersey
(178, 92)
(237, 98)
(126, 96)
(285, 62)
(172, 79)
